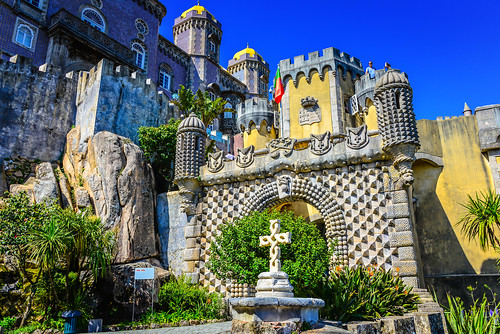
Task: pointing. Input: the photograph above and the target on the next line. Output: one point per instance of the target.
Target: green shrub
(8, 323)
(482, 317)
(235, 252)
(363, 293)
(180, 300)
(158, 144)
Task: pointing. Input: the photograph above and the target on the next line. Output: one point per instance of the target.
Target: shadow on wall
(445, 265)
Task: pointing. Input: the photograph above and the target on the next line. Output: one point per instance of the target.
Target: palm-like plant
(481, 221)
(208, 110)
(185, 101)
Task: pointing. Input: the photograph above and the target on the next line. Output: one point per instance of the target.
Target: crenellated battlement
(24, 65)
(107, 69)
(332, 58)
(254, 111)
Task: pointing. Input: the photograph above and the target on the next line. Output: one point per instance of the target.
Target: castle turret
(256, 122)
(197, 32)
(396, 122)
(251, 69)
(189, 157)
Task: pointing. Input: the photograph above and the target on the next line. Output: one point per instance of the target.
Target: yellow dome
(247, 50)
(198, 8)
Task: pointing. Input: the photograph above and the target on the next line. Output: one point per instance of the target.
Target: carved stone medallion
(310, 112)
(284, 186)
(215, 161)
(281, 144)
(320, 144)
(357, 138)
(245, 156)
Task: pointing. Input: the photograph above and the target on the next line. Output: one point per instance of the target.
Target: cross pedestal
(274, 283)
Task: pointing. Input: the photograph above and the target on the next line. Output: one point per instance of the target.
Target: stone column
(58, 51)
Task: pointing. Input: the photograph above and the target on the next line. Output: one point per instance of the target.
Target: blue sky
(449, 49)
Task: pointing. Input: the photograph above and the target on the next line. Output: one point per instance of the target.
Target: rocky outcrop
(119, 182)
(46, 187)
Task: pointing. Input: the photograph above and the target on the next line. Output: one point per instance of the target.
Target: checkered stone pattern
(220, 204)
(361, 191)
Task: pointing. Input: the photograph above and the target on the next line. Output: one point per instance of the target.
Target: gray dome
(391, 79)
(192, 123)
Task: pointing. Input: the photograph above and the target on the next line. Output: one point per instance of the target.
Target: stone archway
(286, 189)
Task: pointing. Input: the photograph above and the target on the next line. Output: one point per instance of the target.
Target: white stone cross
(273, 240)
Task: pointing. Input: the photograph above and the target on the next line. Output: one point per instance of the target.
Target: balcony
(29, 10)
(67, 24)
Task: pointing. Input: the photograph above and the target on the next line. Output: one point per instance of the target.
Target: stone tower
(256, 122)
(198, 33)
(397, 123)
(251, 69)
(189, 157)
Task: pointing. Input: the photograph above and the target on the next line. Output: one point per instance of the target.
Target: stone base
(245, 327)
(272, 309)
(274, 284)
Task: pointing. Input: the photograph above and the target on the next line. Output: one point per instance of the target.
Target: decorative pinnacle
(274, 240)
(467, 111)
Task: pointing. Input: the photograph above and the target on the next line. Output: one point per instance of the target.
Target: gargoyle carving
(245, 156)
(357, 138)
(321, 144)
(215, 161)
(281, 144)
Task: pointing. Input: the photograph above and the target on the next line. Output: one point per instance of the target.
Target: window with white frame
(93, 18)
(140, 54)
(212, 96)
(24, 36)
(165, 77)
(228, 114)
(212, 46)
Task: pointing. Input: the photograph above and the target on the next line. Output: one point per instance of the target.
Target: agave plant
(481, 221)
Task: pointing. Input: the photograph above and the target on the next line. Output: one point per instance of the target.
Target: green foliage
(180, 300)
(363, 293)
(8, 323)
(185, 101)
(158, 144)
(235, 252)
(59, 253)
(481, 221)
(482, 316)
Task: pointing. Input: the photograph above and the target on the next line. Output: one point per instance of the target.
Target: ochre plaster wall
(439, 190)
(321, 91)
(371, 118)
(260, 137)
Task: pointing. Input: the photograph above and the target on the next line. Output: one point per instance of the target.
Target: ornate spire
(467, 111)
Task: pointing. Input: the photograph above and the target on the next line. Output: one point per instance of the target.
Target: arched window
(165, 77)
(140, 55)
(94, 18)
(24, 36)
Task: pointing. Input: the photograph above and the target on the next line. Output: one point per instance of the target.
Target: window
(35, 3)
(165, 79)
(141, 26)
(213, 97)
(212, 47)
(24, 36)
(94, 18)
(140, 54)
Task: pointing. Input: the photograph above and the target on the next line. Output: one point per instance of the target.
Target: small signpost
(144, 274)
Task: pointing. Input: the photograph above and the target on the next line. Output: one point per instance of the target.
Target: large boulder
(120, 183)
(46, 186)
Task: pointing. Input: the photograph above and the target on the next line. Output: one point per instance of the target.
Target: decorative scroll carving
(310, 112)
(284, 186)
(215, 161)
(321, 144)
(281, 144)
(245, 156)
(357, 138)
(274, 240)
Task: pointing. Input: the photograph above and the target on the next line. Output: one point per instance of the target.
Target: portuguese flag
(278, 87)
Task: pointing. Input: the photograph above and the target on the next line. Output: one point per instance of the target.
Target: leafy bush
(180, 300)
(482, 317)
(8, 323)
(235, 252)
(364, 293)
(158, 144)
